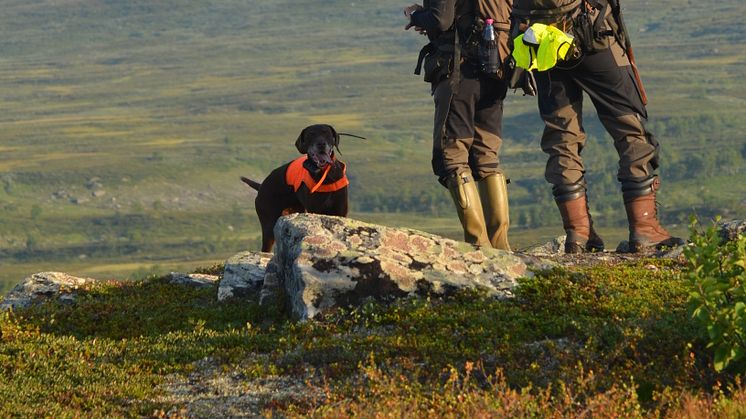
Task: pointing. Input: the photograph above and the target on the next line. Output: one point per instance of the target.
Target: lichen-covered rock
(243, 275)
(43, 286)
(730, 230)
(324, 262)
(193, 280)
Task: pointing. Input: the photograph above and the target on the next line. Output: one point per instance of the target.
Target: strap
(323, 178)
(598, 25)
(297, 175)
(621, 35)
(546, 13)
(427, 49)
(456, 74)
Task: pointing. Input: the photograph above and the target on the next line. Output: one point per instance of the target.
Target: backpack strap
(456, 73)
(621, 35)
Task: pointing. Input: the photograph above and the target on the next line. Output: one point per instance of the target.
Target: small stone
(193, 280)
(552, 248)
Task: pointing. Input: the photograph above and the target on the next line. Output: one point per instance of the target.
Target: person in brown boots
(600, 64)
(468, 98)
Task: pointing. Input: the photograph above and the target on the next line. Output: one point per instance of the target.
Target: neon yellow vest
(547, 46)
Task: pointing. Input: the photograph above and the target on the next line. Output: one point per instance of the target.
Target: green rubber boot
(469, 208)
(493, 191)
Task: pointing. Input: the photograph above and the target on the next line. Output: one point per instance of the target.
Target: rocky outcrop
(322, 262)
(243, 275)
(44, 286)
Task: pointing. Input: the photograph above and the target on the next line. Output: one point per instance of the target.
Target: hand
(408, 14)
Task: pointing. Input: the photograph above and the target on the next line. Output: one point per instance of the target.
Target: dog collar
(297, 175)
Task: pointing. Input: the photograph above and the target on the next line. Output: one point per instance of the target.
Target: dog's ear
(300, 143)
(335, 135)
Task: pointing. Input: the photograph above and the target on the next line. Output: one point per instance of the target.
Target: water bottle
(488, 53)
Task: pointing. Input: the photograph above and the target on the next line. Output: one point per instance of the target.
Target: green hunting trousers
(607, 78)
(467, 133)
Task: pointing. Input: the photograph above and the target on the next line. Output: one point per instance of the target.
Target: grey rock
(673, 253)
(730, 230)
(41, 287)
(552, 248)
(193, 280)
(271, 292)
(61, 194)
(663, 253)
(243, 275)
(325, 262)
(94, 183)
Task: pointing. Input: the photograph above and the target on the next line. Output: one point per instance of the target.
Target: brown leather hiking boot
(577, 222)
(645, 232)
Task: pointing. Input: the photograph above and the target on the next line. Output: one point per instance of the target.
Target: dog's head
(318, 142)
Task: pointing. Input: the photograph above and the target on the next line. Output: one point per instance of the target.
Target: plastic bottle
(489, 56)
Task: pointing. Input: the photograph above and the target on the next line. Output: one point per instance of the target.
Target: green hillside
(124, 126)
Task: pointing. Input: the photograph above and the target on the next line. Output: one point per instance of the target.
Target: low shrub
(717, 274)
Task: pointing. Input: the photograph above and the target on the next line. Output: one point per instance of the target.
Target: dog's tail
(251, 183)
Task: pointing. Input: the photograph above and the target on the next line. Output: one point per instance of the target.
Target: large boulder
(43, 286)
(323, 261)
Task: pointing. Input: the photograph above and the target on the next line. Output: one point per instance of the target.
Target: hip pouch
(436, 59)
(437, 63)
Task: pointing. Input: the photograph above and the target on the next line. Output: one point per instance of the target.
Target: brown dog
(313, 183)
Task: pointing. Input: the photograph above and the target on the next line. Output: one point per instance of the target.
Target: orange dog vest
(297, 175)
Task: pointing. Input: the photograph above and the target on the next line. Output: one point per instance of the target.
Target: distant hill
(124, 126)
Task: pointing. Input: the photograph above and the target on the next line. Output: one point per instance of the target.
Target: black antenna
(352, 135)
